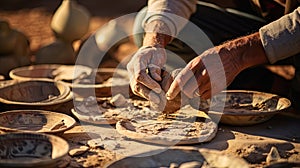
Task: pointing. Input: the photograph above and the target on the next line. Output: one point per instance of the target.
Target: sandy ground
(251, 143)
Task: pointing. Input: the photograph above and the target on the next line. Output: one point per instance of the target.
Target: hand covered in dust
(205, 75)
(145, 72)
(169, 106)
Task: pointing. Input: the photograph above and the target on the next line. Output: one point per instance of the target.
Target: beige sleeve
(175, 13)
(281, 38)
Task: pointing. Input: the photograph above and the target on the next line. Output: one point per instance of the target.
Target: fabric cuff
(280, 38)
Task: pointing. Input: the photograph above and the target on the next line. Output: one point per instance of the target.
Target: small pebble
(273, 156)
(78, 151)
(118, 100)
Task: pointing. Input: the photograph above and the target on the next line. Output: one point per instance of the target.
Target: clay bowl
(47, 71)
(180, 156)
(83, 80)
(242, 107)
(34, 94)
(31, 150)
(103, 82)
(35, 121)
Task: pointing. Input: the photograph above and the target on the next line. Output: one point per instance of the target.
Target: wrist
(254, 53)
(157, 34)
(156, 40)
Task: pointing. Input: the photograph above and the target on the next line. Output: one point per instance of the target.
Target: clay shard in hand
(169, 106)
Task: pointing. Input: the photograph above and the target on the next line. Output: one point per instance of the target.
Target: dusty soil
(251, 143)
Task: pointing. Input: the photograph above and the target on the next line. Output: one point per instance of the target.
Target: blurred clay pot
(70, 22)
(58, 52)
(34, 94)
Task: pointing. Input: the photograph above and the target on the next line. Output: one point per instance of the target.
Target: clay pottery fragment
(273, 156)
(169, 106)
(70, 21)
(78, 151)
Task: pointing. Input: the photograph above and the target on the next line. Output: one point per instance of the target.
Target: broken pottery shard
(78, 151)
(95, 143)
(58, 125)
(273, 156)
(118, 100)
(169, 106)
(105, 144)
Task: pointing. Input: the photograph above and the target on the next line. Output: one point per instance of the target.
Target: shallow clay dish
(31, 150)
(246, 107)
(35, 121)
(35, 94)
(180, 157)
(102, 82)
(105, 111)
(48, 71)
(185, 126)
(82, 79)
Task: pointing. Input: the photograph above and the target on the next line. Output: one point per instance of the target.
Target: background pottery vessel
(14, 48)
(71, 21)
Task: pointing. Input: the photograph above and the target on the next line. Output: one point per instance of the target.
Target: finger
(191, 88)
(155, 72)
(144, 92)
(194, 86)
(130, 69)
(167, 80)
(142, 77)
(181, 79)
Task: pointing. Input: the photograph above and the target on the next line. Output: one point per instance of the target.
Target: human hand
(206, 74)
(145, 72)
(217, 67)
(169, 106)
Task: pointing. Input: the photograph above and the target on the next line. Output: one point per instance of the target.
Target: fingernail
(157, 90)
(168, 96)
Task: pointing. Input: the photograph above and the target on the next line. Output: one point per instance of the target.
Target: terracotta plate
(48, 71)
(34, 93)
(35, 121)
(243, 107)
(31, 150)
(105, 111)
(82, 79)
(185, 126)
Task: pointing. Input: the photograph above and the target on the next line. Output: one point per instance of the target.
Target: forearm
(243, 52)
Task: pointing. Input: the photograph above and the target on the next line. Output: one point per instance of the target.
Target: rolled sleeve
(281, 38)
(174, 13)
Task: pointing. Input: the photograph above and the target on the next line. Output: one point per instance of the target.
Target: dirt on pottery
(97, 145)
